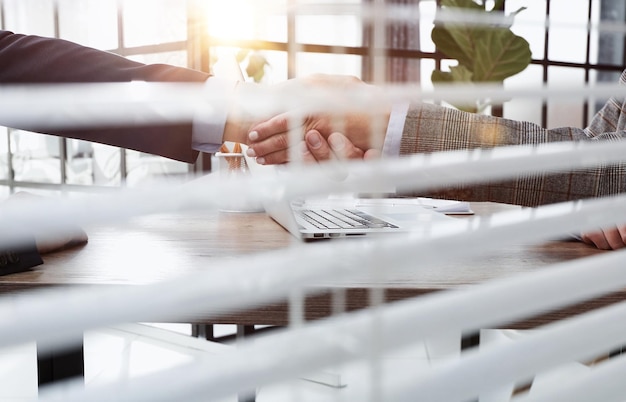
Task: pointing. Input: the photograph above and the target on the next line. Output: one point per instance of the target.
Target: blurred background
(280, 39)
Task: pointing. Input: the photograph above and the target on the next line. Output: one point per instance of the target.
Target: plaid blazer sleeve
(431, 128)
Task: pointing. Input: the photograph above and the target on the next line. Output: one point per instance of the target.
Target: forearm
(431, 128)
(32, 59)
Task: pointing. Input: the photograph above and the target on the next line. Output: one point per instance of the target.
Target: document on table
(448, 207)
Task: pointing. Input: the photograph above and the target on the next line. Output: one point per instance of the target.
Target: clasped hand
(350, 133)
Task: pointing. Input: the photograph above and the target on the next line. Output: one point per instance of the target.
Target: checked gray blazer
(431, 128)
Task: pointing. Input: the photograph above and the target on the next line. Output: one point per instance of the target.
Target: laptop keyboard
(341, 219)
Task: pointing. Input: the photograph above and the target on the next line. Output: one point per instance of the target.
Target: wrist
(238, 121)
(236, 131)
(368, 131)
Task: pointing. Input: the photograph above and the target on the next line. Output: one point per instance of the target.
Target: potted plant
(484, 53)
(255, 63)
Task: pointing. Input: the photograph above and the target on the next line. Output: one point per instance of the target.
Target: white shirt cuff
(209, 123)
(393, 137)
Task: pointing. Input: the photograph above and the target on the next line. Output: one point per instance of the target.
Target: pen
(237, 159)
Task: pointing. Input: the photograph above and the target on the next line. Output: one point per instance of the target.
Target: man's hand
(315, 148)
(269, 141)
(607, 239)
(49, 241)
(239, 121)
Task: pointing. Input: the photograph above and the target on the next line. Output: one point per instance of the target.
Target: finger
(274, 148)
(270, 137)
(343, 148)
(317, 146)
(622, 232)
(596, 239)
(306, 155)
(607, 239)
(614, 238)
(268, 128)
(372, 154)
(274, 158)
(593, 239)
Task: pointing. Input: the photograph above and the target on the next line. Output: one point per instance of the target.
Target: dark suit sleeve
(19, 259)
(32, 59)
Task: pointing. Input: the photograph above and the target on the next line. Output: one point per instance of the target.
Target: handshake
(347, 120)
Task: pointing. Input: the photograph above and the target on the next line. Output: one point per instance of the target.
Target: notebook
(332, 218)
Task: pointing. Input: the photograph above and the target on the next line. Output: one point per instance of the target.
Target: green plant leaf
(498, 5)
(462, 4)
(519, 10)
(492, 53)
(499, 54)
(447, 41)
(462, 74)
(457, 40)
(456, 74)
(256, 66)
(438, 76)
(242, 54)
(488, 53)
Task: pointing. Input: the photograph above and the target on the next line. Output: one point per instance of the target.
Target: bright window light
(233, 19)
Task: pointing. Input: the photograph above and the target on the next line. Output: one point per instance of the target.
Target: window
(153, 31)
(296, 37)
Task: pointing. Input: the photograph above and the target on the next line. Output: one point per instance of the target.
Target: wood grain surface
(161, 247)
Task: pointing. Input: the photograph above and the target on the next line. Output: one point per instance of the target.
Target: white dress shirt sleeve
(208, 124)
(393, 137)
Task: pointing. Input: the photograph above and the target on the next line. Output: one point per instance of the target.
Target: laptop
(325, 218)
(331, 218)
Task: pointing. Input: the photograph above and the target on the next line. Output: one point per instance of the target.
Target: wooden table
(161, 247)
(157, 248)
